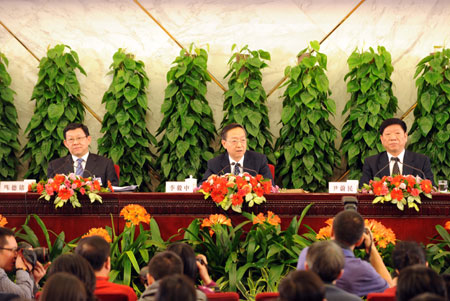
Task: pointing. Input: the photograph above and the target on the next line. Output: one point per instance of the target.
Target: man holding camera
(11, 258)
(360, 277)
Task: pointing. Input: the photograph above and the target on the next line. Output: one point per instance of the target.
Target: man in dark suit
(80, 161)
(395, 160)
(237, 158)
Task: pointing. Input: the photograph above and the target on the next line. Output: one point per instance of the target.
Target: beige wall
(97, 28)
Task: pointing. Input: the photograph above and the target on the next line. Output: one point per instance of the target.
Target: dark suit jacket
(378, 165)
(96, 165)
(334, 293)
(254, 163)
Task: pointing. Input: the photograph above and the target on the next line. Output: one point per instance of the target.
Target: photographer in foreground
(11, 258)
(360, 277)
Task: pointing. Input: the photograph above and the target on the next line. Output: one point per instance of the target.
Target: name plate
(351, 186)
(15, 186)
(180, 186)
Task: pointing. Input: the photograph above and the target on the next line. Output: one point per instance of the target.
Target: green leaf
(425, 124)
(433, 78)
(171, 90)
(322, 83)
(287, 114)
(55, 111)
(197, 106)
(309, 161)
(315, 45)
(182, 148)
(135, 80)
(427, 101)
(130, 93)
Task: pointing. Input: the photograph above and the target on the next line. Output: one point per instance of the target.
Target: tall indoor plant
(245, 100)
(306, 150)
(371, 101)
(430, 132)
(57, 94)
(127, 140)
(9, 128)
(188, 123)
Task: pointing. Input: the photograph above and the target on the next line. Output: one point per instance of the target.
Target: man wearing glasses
(12, 259)
(237, 158)
(80, 161)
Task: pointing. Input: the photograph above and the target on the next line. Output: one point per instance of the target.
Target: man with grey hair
(326, 259)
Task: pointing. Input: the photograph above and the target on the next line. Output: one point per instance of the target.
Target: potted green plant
(430, 132)
(305, 149)
(371, 101)
(188, 123)
(9, 128)
(57, 94)
(245, 100)
(127, 140)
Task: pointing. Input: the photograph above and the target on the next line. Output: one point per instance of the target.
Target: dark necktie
(237, 169)
(396, 169)
(79, 170)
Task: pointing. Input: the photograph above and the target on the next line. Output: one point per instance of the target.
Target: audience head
(77, 139)
(78, 266)
(417, 279)
(176, 287)
(407, 253)
(301, 286)
(63, 286)
(234, 140)
(164, 264)
(187, 255)
(326, 259)
(348, 228)
(428, 297)
(8, 249)
(95, 249)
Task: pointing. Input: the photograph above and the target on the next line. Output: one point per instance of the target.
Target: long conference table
(173, 211)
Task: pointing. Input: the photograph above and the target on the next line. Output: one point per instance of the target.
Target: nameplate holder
(14, 186)
(179, 186)
(351, 186)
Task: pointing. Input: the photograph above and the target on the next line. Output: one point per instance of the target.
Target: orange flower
(397, 194)
(325, 232)
(135, 214)
(215, 219)
(426, 186)
(98, 232)
(3, 221)
(110, 186)
(382, 235)
(96, 185)
(447, 225)
(65, 193)
(271, 218)
(397, 180)
(236, 200)
(39, 188)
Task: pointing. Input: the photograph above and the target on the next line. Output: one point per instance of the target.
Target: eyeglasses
(73, 140)
(14, 250)
(236, 141)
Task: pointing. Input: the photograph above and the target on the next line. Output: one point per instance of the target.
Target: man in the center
(237, 159)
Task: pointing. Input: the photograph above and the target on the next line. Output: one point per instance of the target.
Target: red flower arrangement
(231, 191)
(399, 190)
(66, 188)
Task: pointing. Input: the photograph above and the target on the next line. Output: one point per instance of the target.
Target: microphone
(221, 171)
(412, 167)
(51, 173)
(378, 172)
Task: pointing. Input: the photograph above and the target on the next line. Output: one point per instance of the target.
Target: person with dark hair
(63, 286)
(428, 297)
(96, 250)
(11, 258)
(417, 279)
(395, 160)
(175, 288)
(78, 266)
(237, 159)
(80, 161)
(162, 264)
(326, 259)
(405, 254)
(193, 266)
(360, 277)
(301, 286)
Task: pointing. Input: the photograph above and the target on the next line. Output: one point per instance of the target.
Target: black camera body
(32, 255)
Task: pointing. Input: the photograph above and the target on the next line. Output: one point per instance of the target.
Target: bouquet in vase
(399, 190)
(65, 188)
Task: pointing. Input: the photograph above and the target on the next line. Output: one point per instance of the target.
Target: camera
(32, 255)
(202, 262)
(350, 203)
